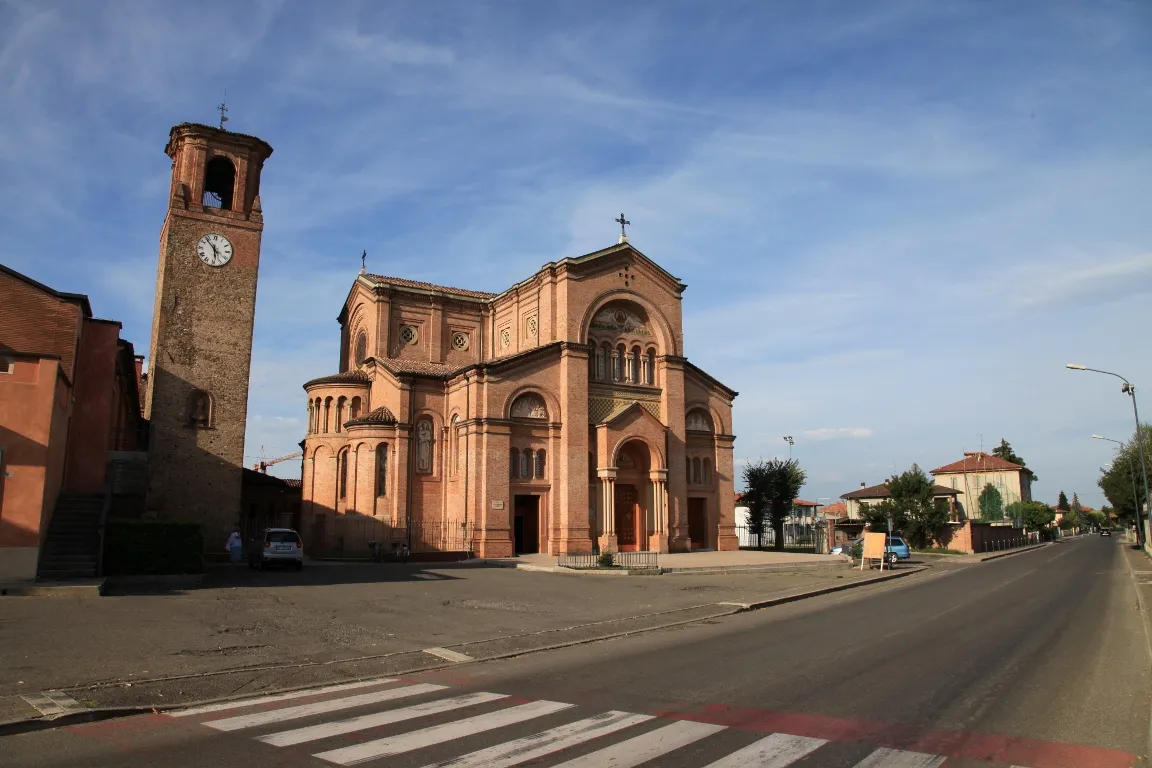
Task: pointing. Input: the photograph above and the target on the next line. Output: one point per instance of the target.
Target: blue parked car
(897, 549)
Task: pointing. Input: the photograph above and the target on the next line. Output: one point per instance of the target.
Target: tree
(1120, 481)
(991, 503)
(1004, 451)
(911, 506)
(1062, 503)
(772, 487)
(1034, 515)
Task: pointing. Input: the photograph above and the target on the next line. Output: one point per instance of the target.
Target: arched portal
(633, 495)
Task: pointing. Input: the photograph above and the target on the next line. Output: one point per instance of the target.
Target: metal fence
(619, 559)
(800, 537)
(352, 536)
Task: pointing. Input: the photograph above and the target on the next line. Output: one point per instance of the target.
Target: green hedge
(134, 547)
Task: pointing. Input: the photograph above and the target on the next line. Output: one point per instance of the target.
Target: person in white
(235, 545)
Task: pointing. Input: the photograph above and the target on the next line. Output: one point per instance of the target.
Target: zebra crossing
(429, 725)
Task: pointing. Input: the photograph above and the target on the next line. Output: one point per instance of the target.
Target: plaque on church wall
(498, 505)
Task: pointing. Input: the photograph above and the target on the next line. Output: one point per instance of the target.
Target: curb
(49, 589)
(795, 596)
(723, 609)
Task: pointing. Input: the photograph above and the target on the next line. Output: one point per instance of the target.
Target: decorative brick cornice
(354, 378)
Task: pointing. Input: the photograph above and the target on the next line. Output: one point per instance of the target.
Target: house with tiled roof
(874, 494)
(976, 471)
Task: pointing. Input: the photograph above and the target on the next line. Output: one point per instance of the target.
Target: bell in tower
(201, 349)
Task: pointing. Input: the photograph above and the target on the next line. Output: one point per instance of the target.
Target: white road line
(324, 730)
(448, 655)
(646, 746)
(546, 742)
(775, 751)
(437, 734)
(278, 697)
(319, 707)
(898, 758)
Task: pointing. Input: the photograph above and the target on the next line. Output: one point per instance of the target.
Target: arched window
(707, 478)
(526, 464)
(636, 366)
(687, 469)
(327, 414)
(343, 481)
(340, 414)
(600, 365)
(311, 415)
(219, 182)
(354, 409)
(621, 362)
(650, 366)
(360, 352)
(200, 409)
(540, 465)
(696, 471)
(514, 464)
(382, 469)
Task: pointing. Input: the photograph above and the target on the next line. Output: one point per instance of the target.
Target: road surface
(1037, 660)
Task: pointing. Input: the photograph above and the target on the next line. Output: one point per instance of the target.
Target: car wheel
(891, 557)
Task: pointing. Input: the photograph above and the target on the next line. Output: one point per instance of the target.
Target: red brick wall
(89, 433)
(32, 320)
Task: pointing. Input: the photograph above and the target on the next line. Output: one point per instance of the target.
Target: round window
(460, 340)
(409, 334)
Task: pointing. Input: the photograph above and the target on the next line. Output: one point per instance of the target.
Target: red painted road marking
(1013, 750)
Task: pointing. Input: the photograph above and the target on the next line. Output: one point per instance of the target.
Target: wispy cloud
(837, 433)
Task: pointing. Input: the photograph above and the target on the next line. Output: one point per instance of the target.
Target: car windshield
(282, 537)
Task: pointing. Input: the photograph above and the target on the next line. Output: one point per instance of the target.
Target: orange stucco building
(69, 395)
(558, 416)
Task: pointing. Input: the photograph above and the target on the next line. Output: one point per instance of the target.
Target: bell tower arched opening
(219, 183)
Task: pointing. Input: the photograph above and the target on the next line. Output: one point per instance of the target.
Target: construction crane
(263, 464)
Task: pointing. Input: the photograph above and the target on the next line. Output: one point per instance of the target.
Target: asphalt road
(1037, 660)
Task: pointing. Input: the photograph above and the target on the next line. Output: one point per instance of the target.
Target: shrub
(146, 547)
(857, 550)
(606, 560)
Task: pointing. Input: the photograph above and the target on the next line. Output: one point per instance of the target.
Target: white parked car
(276, 546)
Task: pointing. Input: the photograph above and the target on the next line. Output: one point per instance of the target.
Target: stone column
(658, 539)
(607, 538)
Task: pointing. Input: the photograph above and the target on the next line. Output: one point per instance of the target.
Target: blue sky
(897, 220)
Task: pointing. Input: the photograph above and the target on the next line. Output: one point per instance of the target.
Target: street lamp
(1131, 474)
(788, 439)
(1129, 390)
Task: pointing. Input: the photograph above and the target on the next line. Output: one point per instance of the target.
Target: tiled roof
(347, 377)
(839, 509)
(294, 482)
(422, 367)
(976, 461)
(403, 283)
(379, 415)
(803, 503)
(881, 491)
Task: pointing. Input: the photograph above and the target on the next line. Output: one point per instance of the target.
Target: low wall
(972, 536)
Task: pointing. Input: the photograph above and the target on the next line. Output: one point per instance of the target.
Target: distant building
(875, 494)
(977, 470)
(69, 401)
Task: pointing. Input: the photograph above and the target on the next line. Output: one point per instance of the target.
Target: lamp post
(1131, 474)
(1129, 390)
(788, 439)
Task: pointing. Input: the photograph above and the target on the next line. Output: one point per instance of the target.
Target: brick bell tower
(201, 350)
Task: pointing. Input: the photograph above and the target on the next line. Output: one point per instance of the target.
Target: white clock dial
(214, 250)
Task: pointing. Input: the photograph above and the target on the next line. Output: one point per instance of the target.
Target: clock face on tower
(214, 250)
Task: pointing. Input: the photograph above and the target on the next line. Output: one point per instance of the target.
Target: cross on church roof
(364, 261)
(223, 107)
(623, 222)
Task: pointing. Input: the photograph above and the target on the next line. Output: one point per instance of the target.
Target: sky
(897, 220)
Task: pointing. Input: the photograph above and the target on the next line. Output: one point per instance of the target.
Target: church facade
(558, 416)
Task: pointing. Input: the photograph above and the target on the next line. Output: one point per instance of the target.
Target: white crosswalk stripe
(278, 697)
(320, 707)
(546, 742)
(438, 734)
(898, 758)
(775, 751)
(376, 719)
(646, 746)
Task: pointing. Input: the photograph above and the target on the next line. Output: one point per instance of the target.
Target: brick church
(558, 416)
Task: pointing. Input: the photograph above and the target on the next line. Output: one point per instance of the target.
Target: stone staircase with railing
(72, 547)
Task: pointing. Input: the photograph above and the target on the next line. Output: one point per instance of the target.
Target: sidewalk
(244, 631)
